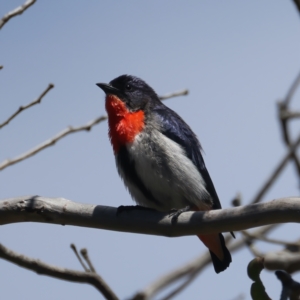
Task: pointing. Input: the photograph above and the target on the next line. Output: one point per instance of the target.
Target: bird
(158, 157)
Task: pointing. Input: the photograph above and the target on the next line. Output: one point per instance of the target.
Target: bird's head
(132, 91)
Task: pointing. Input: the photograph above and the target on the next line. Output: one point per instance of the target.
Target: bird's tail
(219, 253)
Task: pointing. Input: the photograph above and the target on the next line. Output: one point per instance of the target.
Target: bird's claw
(175, 213)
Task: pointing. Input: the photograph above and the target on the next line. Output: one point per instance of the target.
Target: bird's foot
(124, 208)
(175, 213)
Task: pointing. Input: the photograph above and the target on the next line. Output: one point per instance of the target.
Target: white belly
(167, 172)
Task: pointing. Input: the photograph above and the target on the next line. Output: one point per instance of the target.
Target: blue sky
(236, 58)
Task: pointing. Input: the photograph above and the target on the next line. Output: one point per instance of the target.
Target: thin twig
(85, 255)
(250, 245)
(17, 11)
(51, 142)
(291, 91)
(61, 273)
(21, 108)
(65, 132)
(175, 94)
(191, 270)
(181, 287)
(284, 115)
(283, 109)
(274, 175)
(73, 247)
(254, 250)
(269, 240)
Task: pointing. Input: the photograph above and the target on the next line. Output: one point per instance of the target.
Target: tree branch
(284, 115)
(175, 94)
(21, 108)
(66, 212)
(283, 111)
(60, 273)
(269, 240)
(51, 142)
(85, 255)
(276, 172)
(85, 268)
(282, 260)
(17, 11)
(190, 270)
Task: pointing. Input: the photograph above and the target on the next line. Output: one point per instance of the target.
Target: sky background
(237, 58)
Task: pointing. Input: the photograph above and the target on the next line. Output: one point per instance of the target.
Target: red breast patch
(123, 124)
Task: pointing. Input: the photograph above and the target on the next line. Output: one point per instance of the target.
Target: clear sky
(237, 58)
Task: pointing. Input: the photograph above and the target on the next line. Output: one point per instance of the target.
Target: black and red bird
(158, 156)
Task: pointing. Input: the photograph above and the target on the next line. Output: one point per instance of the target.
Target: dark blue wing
(177, 130)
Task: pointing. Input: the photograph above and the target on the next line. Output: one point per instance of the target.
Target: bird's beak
(108, 89)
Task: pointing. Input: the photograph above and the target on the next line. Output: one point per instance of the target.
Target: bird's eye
(128, 87)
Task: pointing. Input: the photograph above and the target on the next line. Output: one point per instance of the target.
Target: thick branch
(17, 11)
(51, 142)
(21, 108)
(66, 212)
(70, 275)
(282, 260)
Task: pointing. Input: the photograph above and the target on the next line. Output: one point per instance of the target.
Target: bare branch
(291, 91)
(21, 108)
(61, 273)
(51, 142)
(254, 250)
(190, 270)
(282, 260)
(85, 255)
(276, 172)
(181, 287)
(65, 212)
(284, 115)
(175, 94)
(73, 247)
(269, 240)
(283, 111)
(17, 11)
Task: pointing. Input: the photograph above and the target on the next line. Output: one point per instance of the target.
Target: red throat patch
(123, 124)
